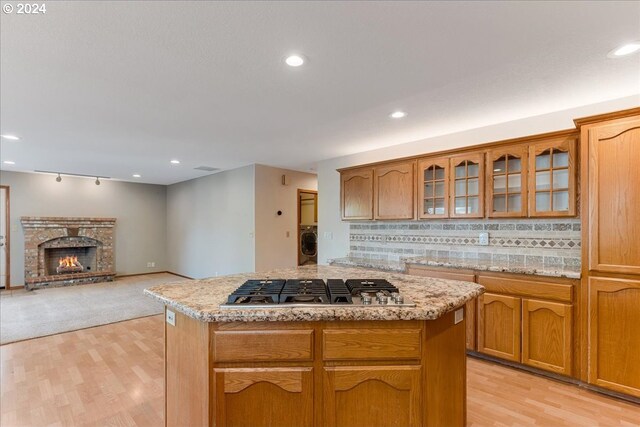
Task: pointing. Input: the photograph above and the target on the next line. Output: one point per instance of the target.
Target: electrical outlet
(171, 318)
(458, 316)
(483, 239)
(328, 235)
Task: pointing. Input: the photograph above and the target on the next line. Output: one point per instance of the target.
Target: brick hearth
(41, 233)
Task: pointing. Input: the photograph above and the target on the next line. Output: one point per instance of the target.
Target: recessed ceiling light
(137, 175)
(398, 114)
(9, 162)
(294, 60)
(624, 50)
(175, 162)
(11, 137)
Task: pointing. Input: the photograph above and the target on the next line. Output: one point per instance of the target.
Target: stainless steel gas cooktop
(281, 293)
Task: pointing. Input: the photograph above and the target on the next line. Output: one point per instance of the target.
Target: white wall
(333, 233)
(210, 224)
(139, 209)
(273, 248)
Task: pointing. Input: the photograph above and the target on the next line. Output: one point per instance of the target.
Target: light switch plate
(483, 239)
(171, 318)
(458, 316)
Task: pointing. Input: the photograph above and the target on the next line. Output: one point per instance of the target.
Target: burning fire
(69, 261)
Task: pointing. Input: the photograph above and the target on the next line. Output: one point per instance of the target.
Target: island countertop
(201, 299)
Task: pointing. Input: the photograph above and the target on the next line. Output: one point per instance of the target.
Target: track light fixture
(58, 178)
(97, 180)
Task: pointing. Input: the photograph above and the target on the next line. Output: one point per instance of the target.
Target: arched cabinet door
(372, 396)
(507, 182)
(499, 326)
(255, 397)
(433, 188)
(356, 187)
(467, 186)
(394, 191)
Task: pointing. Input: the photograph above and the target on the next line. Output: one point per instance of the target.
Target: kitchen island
(337, 365)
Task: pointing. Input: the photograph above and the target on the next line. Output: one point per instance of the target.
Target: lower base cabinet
(499, 326)
(245, 396)
(370, 396)
(614, 334)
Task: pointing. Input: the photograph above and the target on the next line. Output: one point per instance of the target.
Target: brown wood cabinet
(243, 396)
(499, 329)
(467, 186)
(356, 194)
(470, 308)
(552, 177)
(507, 182)
(614, 334)
(394, 191)
(433, 187)
(547, 335)
(372, 396)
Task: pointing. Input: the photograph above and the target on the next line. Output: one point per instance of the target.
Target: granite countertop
(201, 299)
(463, 263)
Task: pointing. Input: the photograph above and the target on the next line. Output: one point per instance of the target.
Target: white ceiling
(116, 88)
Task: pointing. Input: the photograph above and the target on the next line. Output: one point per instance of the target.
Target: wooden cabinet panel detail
(614, 197)
(467, 186)
(433, 188)
(372, 396)
(507, 182)
(244, 395)
(356, 187)
(394, 191)
(552, 178)
(371, 344)
(270, 346)
(614, 334)
(546, 335)
(499, 326)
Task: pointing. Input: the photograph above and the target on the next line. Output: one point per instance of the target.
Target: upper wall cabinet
(394, 191)
(356, 187)
(433, 188)
(467, 186)
(552, 187)
(507, 182)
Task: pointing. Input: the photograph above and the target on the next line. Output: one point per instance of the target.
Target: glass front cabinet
(433, 188)
(467, 186)
(507, 182)
(552, 187)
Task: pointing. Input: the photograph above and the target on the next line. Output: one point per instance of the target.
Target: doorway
(5, 270)
(307, 227)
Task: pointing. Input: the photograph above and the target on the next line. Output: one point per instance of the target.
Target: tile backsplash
(548, 241)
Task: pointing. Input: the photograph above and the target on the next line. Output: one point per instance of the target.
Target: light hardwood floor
(112, 375)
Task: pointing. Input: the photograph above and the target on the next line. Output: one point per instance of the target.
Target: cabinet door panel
(394, 191)
(499, 326)
(507, 182)
(372, 396)
(614, 197)
(356, 187)
(433, 188)
(546, 335)
(253, 397)
(614, 334)
(467, 186)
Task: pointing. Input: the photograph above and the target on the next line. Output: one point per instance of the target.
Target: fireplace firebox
(57, 260)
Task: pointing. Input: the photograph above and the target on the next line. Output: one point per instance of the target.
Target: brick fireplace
(49, 241)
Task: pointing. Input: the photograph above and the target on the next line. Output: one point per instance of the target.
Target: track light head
(58, 178)
(97, 180)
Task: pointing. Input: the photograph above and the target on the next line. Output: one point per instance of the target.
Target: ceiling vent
(206, 169)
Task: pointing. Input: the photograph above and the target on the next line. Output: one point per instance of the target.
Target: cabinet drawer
(272, 346)
(542, 289)
(371, 344)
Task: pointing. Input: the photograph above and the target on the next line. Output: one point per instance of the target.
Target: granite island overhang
(342, 366)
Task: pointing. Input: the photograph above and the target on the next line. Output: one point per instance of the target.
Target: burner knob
(383, 299)
(366, 300)
(394, 296)
(399, 299)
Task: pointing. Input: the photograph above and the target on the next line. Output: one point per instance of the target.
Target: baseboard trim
(143, 274)
(180, 275)
(556, 377)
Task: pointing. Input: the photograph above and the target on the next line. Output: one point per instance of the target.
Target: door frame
(300, 190)
(7, 237)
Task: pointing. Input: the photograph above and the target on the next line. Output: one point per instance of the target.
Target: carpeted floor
(31, 314)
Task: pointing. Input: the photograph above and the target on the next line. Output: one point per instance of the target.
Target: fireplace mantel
(41, 233)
